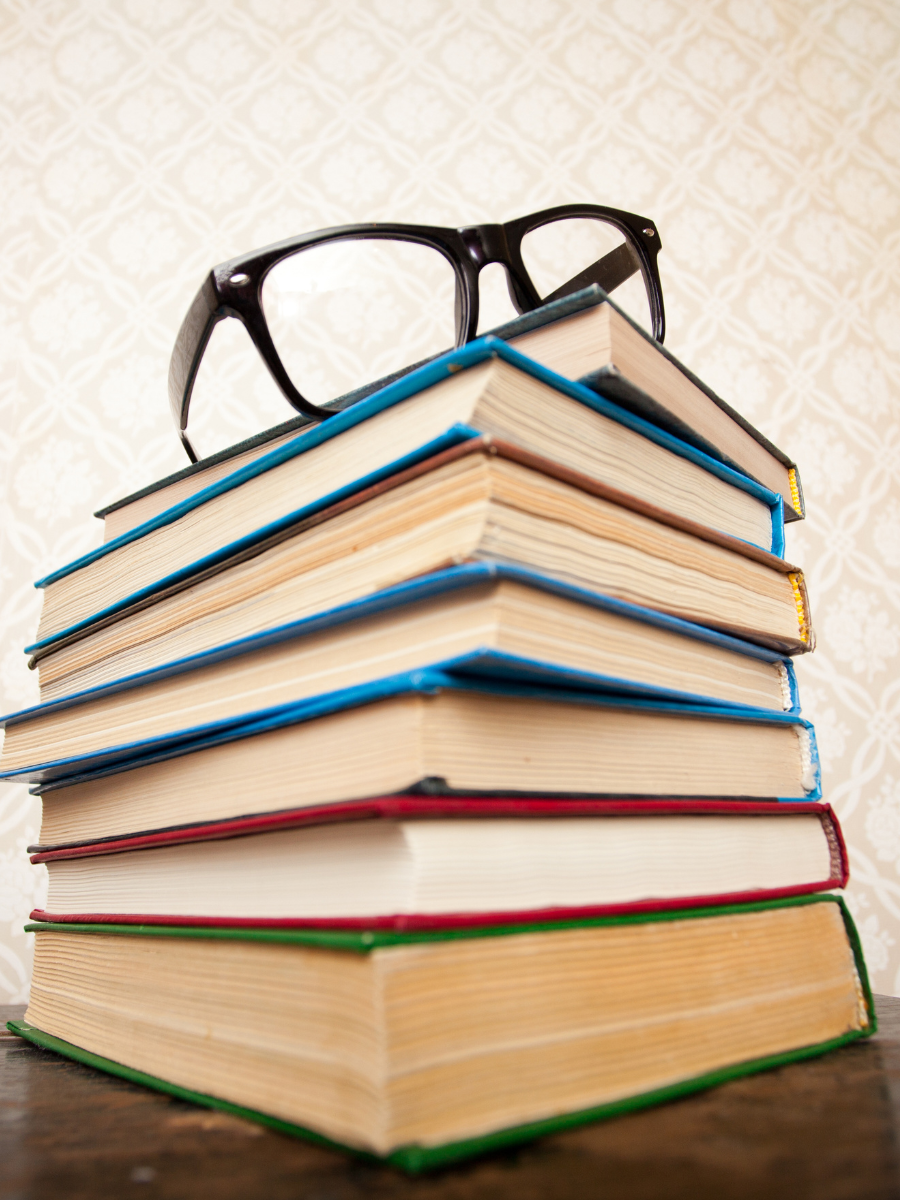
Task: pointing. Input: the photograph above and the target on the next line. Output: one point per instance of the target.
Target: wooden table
(827, 1129)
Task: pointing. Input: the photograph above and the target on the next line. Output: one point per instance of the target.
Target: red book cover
(411, 807)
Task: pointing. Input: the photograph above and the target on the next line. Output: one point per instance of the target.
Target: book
(425, 731)
(479, 501)
(486, 387)
(416, 863)
(484, 617)
(424, 1047)
(648, 380)
(490, 634)
(585, 335)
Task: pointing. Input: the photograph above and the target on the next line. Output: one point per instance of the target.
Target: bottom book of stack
(423, 979)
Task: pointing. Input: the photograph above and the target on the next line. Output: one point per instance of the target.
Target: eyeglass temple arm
(609, 272)
(193, 336)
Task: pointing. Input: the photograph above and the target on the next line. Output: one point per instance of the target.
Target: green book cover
(416, 1158)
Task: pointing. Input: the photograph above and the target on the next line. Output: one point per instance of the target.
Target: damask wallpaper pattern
(145, 140)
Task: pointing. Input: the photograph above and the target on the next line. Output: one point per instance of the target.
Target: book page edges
(416, 1159)
(428, 680)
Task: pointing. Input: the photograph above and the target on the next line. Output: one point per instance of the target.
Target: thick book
(428, 732)
(523, 613)
(407, 862)
(488, 635)
(484, 388)
(480, 618)
(480, 501)
(425, 1047)
(585, 335)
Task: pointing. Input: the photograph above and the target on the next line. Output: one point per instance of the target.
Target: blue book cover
(516, 678)
(486, 662)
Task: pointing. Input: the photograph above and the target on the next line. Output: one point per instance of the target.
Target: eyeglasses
(335, 309)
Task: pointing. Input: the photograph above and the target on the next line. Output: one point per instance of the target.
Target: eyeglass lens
(559, 251)
(345, 313)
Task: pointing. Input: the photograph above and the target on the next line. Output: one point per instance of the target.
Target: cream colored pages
(382, 868)
(389, 436)
(567, 1025)
(532, 624)
(662, 380)
(147, 507)
(471, 741)
(444, 1041)
(434, 520)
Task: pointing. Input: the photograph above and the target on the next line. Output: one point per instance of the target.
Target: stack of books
(411, 781)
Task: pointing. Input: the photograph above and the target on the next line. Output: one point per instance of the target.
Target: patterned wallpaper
(144, 140)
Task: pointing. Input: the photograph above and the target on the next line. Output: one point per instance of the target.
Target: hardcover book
(409, 862)
(424, 1047)
(494, 615)
(427, 731)
(482, 619)
(481, 501)
(584, 334)
(269, 681)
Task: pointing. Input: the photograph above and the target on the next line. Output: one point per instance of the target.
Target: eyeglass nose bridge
(487, 244)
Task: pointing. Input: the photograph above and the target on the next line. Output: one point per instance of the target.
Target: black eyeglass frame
(234, 288)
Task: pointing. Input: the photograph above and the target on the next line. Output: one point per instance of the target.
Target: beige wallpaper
(144, 140)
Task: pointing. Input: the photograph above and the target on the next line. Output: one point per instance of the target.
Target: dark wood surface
(827, 1129)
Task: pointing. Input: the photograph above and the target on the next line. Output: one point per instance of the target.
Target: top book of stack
(584, 336)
